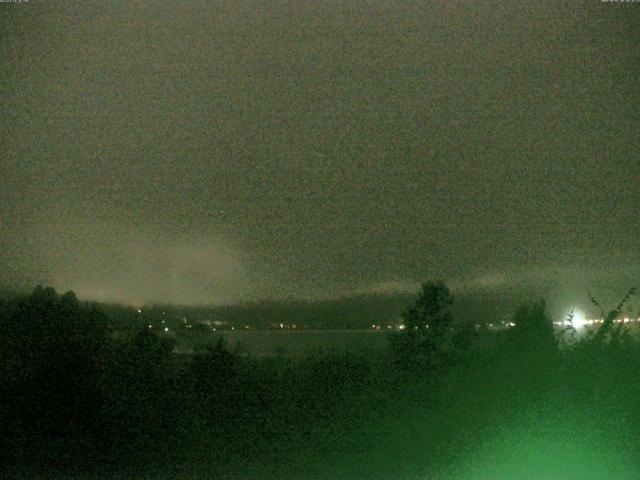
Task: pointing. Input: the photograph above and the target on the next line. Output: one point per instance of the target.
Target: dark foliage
(80, 397)
(428, 328)
(533, 330)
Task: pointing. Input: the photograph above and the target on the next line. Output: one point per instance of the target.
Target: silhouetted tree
(52, 352)
(212, 372)
(608, 330)
(427, 325)
(431, 314)
(463, 338)
(141, 402)
(533, 330)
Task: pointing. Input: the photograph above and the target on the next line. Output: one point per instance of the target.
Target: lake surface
(264, 343)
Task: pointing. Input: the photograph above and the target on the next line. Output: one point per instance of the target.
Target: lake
(265, 343)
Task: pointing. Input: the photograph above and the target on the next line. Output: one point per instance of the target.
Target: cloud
(137, 265)
(388, 287)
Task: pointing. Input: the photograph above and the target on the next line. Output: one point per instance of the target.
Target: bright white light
(578, 320)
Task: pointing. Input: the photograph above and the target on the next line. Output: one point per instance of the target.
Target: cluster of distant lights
(582, 322)
(577, 321)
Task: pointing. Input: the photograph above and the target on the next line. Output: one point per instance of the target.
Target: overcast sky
(200, 152)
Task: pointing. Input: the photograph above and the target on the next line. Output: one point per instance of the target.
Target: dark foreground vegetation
(80, 400)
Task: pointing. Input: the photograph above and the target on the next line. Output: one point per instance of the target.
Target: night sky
(211, 152)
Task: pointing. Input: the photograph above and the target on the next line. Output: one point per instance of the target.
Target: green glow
(537, 453)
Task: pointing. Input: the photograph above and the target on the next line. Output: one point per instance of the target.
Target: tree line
(76, 397)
